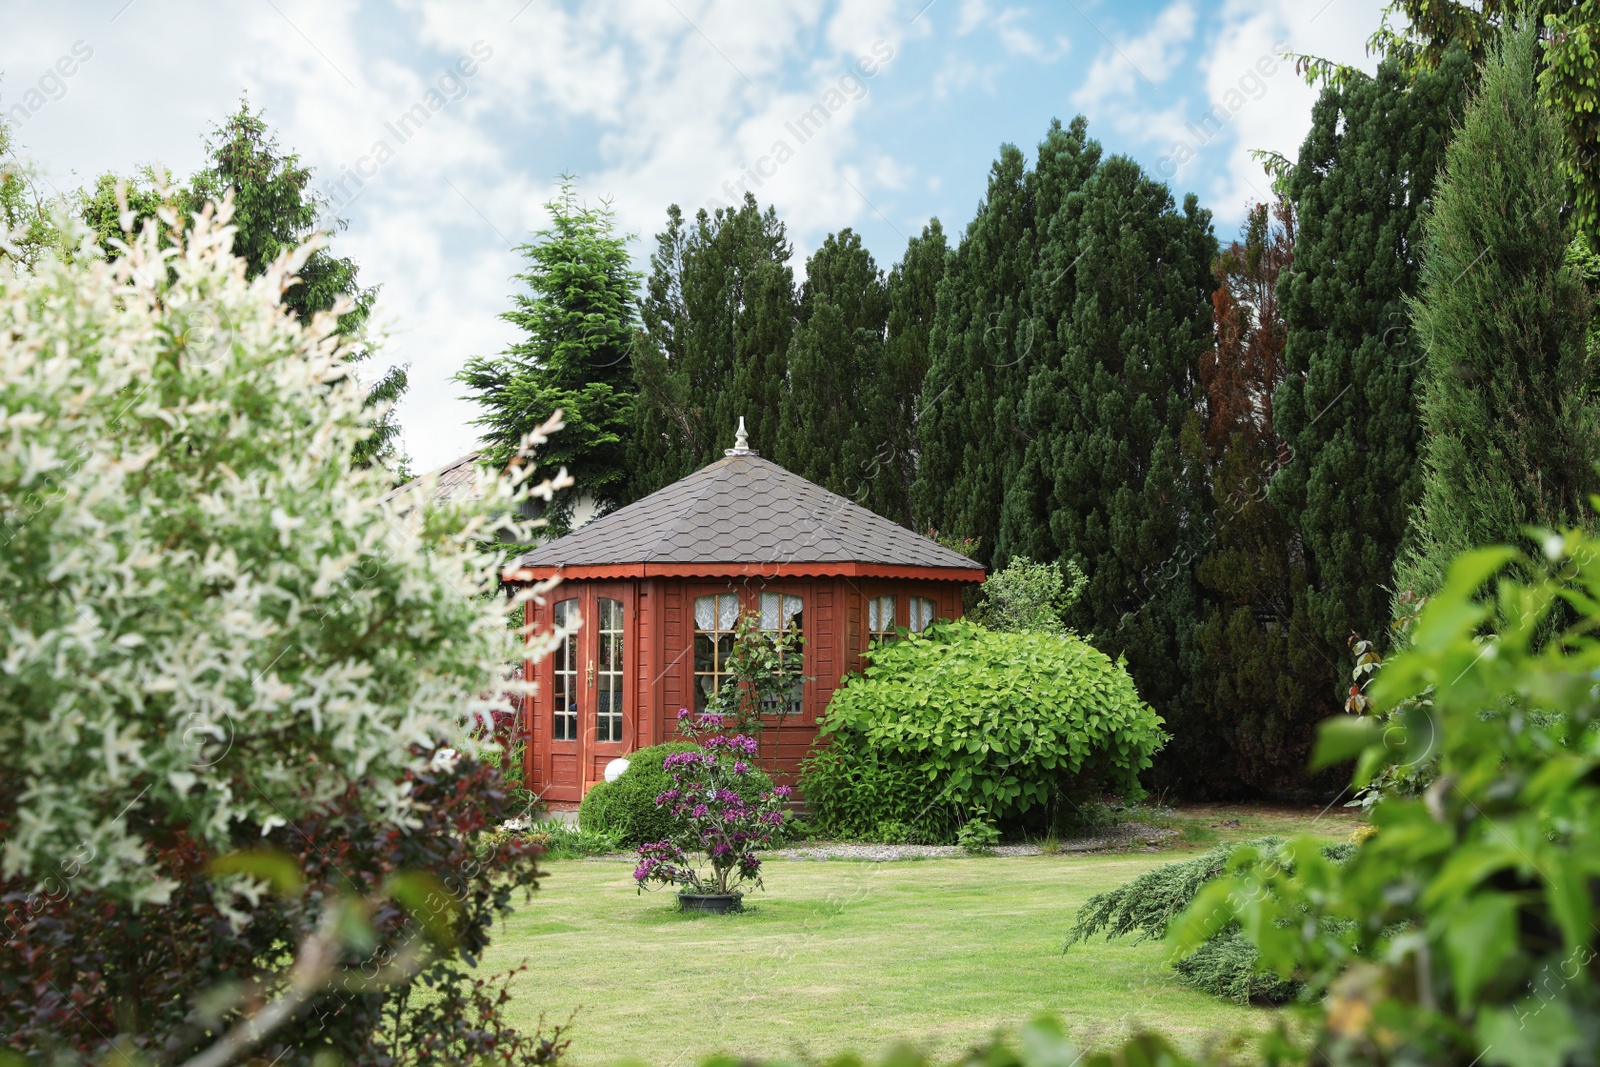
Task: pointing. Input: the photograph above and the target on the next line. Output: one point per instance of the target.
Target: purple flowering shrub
(722, 814)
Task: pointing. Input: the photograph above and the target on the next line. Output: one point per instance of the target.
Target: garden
(261, 790)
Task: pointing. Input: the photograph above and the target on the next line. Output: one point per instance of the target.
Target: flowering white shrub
(207, 619)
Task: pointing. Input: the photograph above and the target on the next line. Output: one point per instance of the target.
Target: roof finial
(741, 443)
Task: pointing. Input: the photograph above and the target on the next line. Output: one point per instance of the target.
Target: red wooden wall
(658, 663)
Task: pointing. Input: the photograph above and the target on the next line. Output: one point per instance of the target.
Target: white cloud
(1137, 64)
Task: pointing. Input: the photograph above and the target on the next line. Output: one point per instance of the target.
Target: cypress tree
(717, 316)
(1111, 477)
(983, 339)
(825, 430)
(1510, 414)
(578, 317)
(1365, 172)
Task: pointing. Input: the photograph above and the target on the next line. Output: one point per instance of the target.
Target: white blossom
(209, 621)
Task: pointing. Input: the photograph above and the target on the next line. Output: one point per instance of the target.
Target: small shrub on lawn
(856, 791)
(963, 719)
(626, 808)
(1228, 964)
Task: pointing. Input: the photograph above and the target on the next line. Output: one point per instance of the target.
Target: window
(564, 694)
(783, 621)
(880, 621)
(714, 619)
(608, 701)
(921, 614)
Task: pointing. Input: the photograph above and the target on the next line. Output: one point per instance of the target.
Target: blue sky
(440, 128)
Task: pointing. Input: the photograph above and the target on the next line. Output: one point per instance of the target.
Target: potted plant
(723, 820)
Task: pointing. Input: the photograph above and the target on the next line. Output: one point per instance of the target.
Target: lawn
(842, 955)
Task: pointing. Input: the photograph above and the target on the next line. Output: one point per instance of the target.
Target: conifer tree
(983, 338)
(896, 403)
(825, 431)
(275, 209)
(1263, 680)
(717, 317)
(1111, 477)
(1346, 410)
(1509, 407)
(578, 314)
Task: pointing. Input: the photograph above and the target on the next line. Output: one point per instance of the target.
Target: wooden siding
(659, 665)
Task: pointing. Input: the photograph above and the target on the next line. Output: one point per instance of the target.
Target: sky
(438, 129)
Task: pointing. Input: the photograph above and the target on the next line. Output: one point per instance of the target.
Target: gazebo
(659, 585)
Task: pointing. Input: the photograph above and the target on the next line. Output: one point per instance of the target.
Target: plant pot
(716, 903)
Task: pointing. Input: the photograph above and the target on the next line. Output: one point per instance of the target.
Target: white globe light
(615, 768)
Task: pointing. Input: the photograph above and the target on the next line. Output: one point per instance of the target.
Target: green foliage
(1227, 964)
(759, 679)
(275, 210)
(626, 808)
(564, 841)
(826, 431)
(982, 721)
(1465, 926)
(25, 225)
(1509, 409)
(978, 837)
(717, 316)
(1346, 408)
(897, 403)
(858, 792)
(1029, 597)
(192, 567)
(578, 315)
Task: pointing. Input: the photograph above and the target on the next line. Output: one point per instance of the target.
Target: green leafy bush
(1026, 596)
(978, 837)
(963, 718)
(1227, 964)
(625, 809)
(857, 793)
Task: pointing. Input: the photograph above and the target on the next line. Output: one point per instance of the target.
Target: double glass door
(588, 709)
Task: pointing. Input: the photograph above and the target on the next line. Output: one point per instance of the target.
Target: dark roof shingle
(743, 509)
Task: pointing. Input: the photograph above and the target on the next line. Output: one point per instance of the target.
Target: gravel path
(1130, 835)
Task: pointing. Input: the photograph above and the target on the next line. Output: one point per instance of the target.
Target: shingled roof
(745, 514)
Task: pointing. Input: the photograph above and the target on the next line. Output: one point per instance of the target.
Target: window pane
(873, 615)
(727, 610)
(769, 611)
(705, 612)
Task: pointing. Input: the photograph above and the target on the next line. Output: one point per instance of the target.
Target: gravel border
(1126, 836)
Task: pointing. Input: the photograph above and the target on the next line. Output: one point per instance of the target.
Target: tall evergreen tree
(1111, 477)
(894, 407)
(1365, 173)
(1262, 680)
(717, 315)
(983, 338)
(825, 430)
(578, 316)
(1509, 407)
(275, 209)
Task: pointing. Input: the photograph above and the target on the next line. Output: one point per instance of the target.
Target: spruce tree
(983, 339)
(717, 317)
(825, 430)
(578, 314)
(1509, 409)
(1111, 477)
(1346, 411)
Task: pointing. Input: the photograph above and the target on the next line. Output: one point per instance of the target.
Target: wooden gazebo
(658, 586)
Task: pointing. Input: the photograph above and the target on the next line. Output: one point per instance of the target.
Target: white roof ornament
(741, 443)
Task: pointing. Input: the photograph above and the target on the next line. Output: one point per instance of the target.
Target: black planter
(716, 903)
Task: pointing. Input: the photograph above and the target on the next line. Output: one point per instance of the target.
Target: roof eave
(822, 569)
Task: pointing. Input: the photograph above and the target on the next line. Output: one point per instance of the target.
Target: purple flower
(741, 767)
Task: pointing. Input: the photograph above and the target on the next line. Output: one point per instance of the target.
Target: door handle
(590, 674)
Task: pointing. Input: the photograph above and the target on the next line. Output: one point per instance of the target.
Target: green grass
(849, 955)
